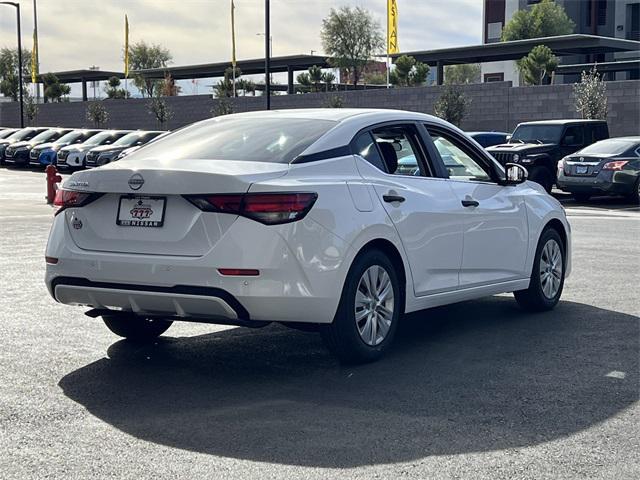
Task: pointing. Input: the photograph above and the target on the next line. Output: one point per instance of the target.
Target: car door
(493, 216)
(572, 141)
(420, 205)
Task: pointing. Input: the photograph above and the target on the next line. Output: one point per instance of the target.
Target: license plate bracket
(582, 169)
(141, 211)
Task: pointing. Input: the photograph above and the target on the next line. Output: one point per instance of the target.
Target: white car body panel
(447, 253)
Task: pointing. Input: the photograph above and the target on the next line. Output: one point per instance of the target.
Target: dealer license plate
(141, 211)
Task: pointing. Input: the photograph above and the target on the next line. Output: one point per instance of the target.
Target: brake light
(267, 208)
(616, 165)
(70, 199)
(560, 167)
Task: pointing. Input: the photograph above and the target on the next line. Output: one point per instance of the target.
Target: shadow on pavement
(471, 377)
(597, 202)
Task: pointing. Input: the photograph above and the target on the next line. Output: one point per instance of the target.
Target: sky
(76, 34)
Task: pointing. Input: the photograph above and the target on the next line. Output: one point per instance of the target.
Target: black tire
(542, 176)
(342, 337)
(533, 299)
(135, 328)
(581, 197)
(634, 196)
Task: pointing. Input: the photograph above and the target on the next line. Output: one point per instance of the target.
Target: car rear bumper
(294, 284)
(605, 183)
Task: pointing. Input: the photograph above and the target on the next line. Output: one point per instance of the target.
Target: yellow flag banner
(233, 35)
(392, 27)
(34, 59)
(126, 47)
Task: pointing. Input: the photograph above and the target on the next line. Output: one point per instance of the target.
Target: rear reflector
(267, 208)
(239, 272)
(51, 260)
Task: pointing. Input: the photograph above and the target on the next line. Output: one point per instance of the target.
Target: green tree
(224, 87)
(158, 107)
(97, 114)
(452, 105)
(9, 77)
(335, 101)
(536, 66)
(315, 80)
(375, 78)
(591, 96)
(223, 106)
(113, 90)
(545, 19)
(53, 89)
(143, 56)
(30, 109)
(351, 37)
(409, 72)
(462, 74)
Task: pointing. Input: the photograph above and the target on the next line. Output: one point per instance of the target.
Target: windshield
(102, 137)
(274, 140)
(70, 137)
(22, 135)
(47, 136)
(130, 139)
(537, 134)
(614, 147)
(6, 133)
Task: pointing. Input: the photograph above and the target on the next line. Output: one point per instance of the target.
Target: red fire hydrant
(52, 182)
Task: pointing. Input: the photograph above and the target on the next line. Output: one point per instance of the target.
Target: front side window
(257, 139)
(459, 164)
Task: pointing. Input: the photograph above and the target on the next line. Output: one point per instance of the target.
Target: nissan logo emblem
(136, 181)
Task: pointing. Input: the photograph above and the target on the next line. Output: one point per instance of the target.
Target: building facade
(608, 18)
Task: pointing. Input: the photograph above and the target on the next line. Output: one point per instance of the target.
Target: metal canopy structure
(621, 66)
(289, 64)
(565, 45)
(84, 76)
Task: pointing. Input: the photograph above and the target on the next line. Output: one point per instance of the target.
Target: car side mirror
(515, 174)
(507, 138)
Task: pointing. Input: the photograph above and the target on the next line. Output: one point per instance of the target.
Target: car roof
(332, 114)
(561, 122)
(630, 138)
(486, 133)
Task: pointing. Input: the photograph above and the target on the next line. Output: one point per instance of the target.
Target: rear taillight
(70, 199)
(616, 165)
(267, 208)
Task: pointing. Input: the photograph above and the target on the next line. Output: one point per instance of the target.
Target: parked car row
(67, 147)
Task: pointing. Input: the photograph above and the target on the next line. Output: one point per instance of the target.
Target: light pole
(267, 55)
(36, 50)
(17, 5)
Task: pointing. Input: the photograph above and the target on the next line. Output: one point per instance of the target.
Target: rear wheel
(634, 196)
(581, 197)
(135, 328)
(547, 276)
(543, 176)
(369, 310)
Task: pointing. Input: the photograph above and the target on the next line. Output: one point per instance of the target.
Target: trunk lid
(159, 186)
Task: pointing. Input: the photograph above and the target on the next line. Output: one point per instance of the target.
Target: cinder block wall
(494, 106)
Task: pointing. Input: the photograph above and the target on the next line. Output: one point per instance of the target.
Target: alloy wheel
(374, 305)
(551, 269)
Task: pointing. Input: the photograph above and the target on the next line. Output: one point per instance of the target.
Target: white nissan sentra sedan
(343, 219)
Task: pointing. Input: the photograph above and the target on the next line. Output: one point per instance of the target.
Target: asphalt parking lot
(474, 390)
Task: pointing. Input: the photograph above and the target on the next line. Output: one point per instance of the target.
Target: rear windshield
(614, 147)
(273, 140)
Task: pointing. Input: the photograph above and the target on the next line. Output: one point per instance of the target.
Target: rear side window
(273, 140)
(601, 132)
(366, 148)
(573, 136)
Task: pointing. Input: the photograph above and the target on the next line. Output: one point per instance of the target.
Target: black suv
(539, 146)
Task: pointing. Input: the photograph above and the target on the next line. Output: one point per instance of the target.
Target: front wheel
(370, 307)
(547, 276)
(135, 328)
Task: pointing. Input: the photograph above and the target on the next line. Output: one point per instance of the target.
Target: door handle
(470, 203)
(393, 198)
